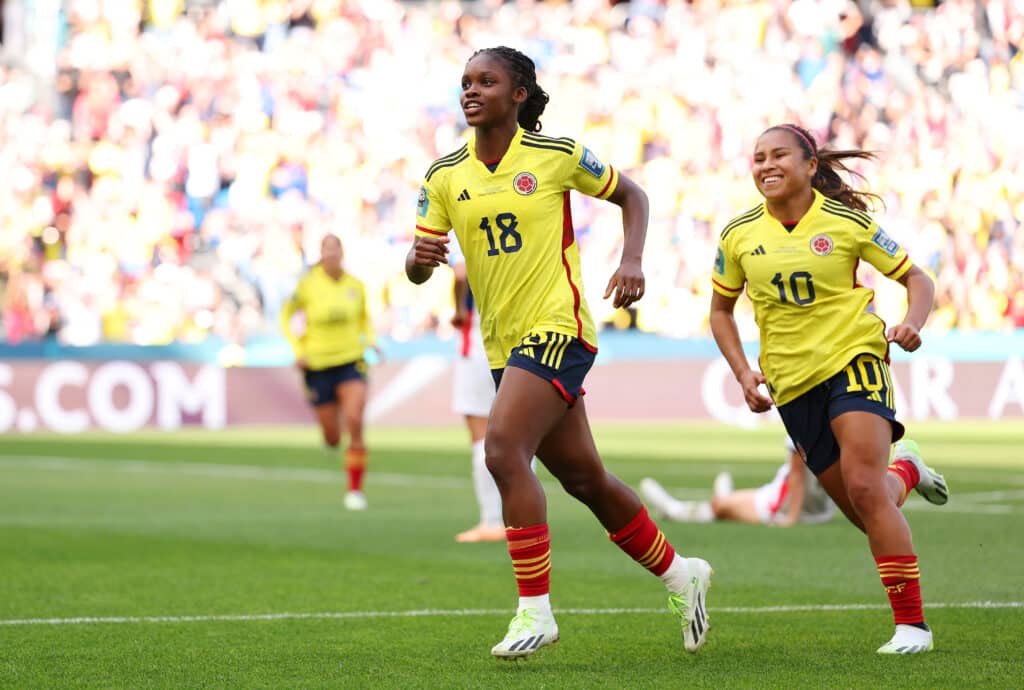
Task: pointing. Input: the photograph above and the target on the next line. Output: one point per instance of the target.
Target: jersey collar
(513, 146)
(819, 199)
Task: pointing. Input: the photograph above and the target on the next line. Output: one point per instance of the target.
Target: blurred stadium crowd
(174, 177)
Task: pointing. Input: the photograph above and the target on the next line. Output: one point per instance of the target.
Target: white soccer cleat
(931, 485)
(909, 639)
(722, 485)
(355, 500)
(654, 493)
(529, 630)
(690, 604)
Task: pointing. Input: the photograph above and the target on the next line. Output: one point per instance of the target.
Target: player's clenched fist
(430, 251)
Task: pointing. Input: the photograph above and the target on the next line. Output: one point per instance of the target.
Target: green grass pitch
(216, 560)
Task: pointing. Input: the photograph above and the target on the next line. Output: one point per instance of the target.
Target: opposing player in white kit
(472, 395)
(792, 496)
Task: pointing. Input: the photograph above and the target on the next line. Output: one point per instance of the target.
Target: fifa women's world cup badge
(821, 245)
(525, 183)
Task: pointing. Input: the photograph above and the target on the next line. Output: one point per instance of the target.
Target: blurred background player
(506, 194)
(793, 495)
(329, 352)
(472, 396)
(823, 350)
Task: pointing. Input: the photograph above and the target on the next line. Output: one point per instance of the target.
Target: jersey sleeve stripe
(552, 147)
(895, 270)
(449, 157)
(727, 288)
(454, 161)
(542, 138)
(832, 203)
(608, 185)
(431, 232)
(848, 216)
(747, 217)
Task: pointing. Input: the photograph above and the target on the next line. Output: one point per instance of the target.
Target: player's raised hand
(430, 251)
(904, 335)
(627, 284)
(756, 401)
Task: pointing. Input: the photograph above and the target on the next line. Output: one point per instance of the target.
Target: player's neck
(493, 142)
(333, 273)
(790, 210)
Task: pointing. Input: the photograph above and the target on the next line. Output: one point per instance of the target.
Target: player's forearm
(635, 211)
(920, 297)
(727, 336)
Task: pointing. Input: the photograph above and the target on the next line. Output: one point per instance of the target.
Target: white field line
(218, 471)
(452, 613)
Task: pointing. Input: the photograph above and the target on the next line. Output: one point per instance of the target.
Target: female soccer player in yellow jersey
(506, 194)
(330, 356)
(823, 353)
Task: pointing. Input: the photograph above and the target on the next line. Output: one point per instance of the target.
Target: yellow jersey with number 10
(813, 315)
(515, 229)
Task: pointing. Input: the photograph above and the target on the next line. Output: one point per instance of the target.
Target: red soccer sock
(355, 465)
(907, 473)
(645, 543)
(530, 548)
(902, 581)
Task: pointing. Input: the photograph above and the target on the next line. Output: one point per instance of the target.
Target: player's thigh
(472, 387)
(526, 408)
(569, 451)
(739, 506)
(353, 394)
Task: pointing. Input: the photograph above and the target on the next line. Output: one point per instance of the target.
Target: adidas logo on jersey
(464, 196)
(759, 251)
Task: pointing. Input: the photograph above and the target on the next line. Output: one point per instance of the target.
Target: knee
(332, 437)
(866, 493)
(503, 455)
(354, 423)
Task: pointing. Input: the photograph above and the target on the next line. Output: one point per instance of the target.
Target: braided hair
(827, 179)
(524, 74)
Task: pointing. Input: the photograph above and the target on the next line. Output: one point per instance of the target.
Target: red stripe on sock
(901, 578)
(530, 549)
(645, 543)
(355, 465)
(907, 472)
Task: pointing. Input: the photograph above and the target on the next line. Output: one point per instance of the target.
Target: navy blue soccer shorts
(555, 357)
(864, 384)
(322, 384)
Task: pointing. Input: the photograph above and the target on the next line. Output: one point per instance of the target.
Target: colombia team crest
(525, 183)
(821, 245)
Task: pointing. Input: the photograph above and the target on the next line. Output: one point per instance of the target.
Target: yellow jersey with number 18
(813, 315)
(515, 229)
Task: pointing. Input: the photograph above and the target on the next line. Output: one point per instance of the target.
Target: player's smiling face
(489, 94)
(780, 169)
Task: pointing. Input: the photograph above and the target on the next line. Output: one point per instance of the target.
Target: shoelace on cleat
(522, 622)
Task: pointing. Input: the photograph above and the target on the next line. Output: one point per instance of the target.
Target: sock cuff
(910, 559)
(631, 528)
(526, 537)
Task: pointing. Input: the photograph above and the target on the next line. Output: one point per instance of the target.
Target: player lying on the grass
(824, 353)
(506, 194)
(793, 495)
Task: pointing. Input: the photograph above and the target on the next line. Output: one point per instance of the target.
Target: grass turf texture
(216, 525)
